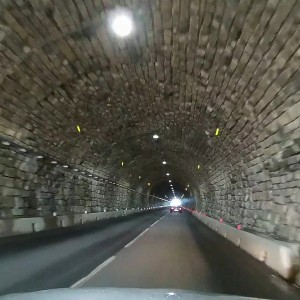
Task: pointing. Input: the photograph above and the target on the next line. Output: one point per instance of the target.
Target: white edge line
(94, 272)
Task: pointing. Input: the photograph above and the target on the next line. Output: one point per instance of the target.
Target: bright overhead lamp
(122, 24)
(168, 174)
(155, 136)
(170, 180)
(164, 162)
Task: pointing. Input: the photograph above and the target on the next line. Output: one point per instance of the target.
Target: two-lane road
(179, 252)
(155, 250)
(58, 258)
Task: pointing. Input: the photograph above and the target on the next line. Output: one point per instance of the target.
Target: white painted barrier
(282, 257)
(17, 226)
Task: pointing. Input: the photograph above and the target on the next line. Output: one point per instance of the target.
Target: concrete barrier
(282, 257)
(17, 226)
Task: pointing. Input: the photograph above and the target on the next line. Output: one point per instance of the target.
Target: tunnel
(200, 102)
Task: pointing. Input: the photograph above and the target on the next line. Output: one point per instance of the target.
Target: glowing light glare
(175, 202)
(168, 174)
(78, 128)
(164, 162)
(170, 180)
(155, 136)
(122, 24)
(198, 167)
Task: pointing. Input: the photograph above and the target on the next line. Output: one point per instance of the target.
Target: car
(119, 293)
(176, 209)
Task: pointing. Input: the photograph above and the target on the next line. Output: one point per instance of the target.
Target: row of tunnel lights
(155, 136)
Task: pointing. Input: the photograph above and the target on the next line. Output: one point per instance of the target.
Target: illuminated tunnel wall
(218, 81)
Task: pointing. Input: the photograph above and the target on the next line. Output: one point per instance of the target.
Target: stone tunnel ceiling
(189, 68)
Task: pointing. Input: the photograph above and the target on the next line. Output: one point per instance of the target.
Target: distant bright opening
(122, 24)
(175, 202)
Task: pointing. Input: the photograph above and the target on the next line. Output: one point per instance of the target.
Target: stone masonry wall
(261, 191)
(32, 186)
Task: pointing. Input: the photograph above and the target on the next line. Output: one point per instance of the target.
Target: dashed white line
(109, 260)
(94, 272)
(154, 223)
(135, 239)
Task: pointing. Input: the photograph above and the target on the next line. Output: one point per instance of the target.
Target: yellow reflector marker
(78, 128)
(217, 131)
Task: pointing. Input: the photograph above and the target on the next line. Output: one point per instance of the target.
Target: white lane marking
(135, 239)
(94, 272)
(154, 223)
(109, 260)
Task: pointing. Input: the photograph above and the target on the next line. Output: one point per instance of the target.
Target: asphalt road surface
(150, 251)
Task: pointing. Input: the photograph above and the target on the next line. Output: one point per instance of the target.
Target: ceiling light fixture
(155, 136)
(122, 23)
(164, 162)
(168, 174)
